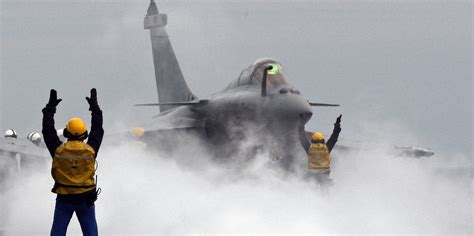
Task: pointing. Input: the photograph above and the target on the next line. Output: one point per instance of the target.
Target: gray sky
(407, 63)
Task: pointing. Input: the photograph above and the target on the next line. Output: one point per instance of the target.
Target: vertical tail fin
(170, 81)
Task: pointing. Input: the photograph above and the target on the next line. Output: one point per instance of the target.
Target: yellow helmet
(318, 136)
(138, 131)
(76, 127)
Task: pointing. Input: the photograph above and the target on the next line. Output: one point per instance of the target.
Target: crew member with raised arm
(319, 161)
(73, 166)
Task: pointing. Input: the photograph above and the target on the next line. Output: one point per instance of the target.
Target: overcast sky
(402, 63)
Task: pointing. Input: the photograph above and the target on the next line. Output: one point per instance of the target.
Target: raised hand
(338, 120)
(92, 100)
(337, 125)
(53, 99)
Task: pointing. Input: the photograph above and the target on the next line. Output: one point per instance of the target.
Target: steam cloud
(147, 193)
(374, 192)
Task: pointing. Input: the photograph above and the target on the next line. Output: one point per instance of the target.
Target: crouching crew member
(73, 167)
(319, 161)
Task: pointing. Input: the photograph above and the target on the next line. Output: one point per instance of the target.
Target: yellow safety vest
(318, 157)
(73, 168)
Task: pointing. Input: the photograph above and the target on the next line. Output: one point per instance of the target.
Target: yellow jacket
(73, 168)
(318, 157)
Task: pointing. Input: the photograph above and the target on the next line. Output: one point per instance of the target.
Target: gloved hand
(338, 120)
(337, 125)
(93, 105)
(53, 100)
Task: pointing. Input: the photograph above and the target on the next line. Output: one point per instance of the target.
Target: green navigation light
(275, 69)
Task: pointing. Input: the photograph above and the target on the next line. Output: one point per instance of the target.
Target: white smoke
(374, 191)
(146, 193)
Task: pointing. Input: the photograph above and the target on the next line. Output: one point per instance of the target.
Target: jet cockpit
(253, 75)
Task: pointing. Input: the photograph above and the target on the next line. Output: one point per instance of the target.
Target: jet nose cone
(298, 105)
(289, 105)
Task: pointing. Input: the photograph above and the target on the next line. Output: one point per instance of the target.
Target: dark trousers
(85, 213)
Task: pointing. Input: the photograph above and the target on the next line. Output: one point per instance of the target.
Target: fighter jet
(18, 153)
(31, 145)
(259, 106)
(258, 112)
(414, 151)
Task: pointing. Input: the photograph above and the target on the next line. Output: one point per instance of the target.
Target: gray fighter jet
(414, 151)
(258, 112)
(19, 154)
(260, 106)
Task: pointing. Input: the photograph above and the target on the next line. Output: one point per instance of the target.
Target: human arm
(50, 136)
(335, 134)
(97, 132)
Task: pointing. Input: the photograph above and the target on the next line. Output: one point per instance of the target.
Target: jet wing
(171, 128)
(190, 103)
(161, 128)
(182, 117)
(316, 104)
(345, 144)
(23, 147)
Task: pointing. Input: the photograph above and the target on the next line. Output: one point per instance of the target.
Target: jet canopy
(253, 74)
